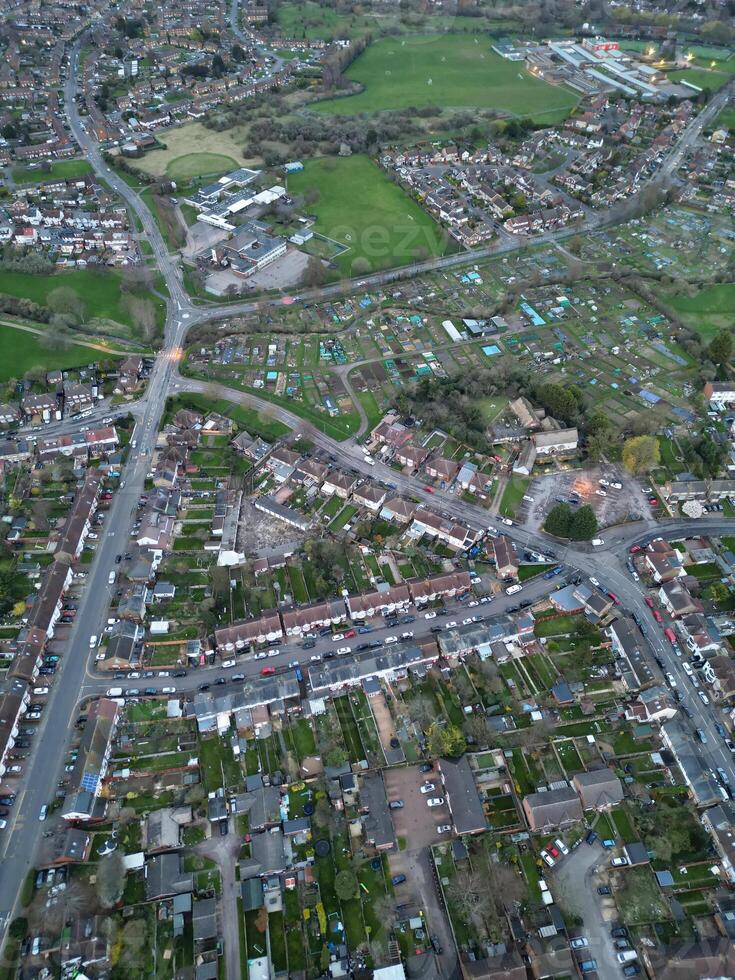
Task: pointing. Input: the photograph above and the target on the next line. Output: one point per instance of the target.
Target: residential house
(374, 813)
(555, 808)
(598, 789)
(719, 822)
(460, 792)
(506, 557)
(266, 628)
(662, 561)
(442, 469)
(316, 615)
(442, 585)
(677, 600)
(393, 598)
(92, 760)
(339, 484)
(370, 496)
(686, 960)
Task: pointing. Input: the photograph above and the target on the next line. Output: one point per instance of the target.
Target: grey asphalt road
(574, 885)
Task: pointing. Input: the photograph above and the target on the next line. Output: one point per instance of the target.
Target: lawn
(187, 141)
(199, 165)
(708, 311)
(701, 77)
(360, 208)
(100, 292)
(513, 495)
(447, 70)
(21, 351)
(60, 170)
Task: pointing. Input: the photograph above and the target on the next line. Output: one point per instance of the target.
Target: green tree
(720, 348)
(583, 525)
(718, 593)
(558, 520)
(345, 885)
(324, 958)
(448, 741)
(641, 454)
(561, 401)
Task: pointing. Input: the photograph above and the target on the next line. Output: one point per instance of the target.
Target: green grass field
(447, 70)
(198, 165)
(708, 311)
(726, 119)
(100, 291)
(60, 170)
(359, 207)
(21, 351)
(701, 77)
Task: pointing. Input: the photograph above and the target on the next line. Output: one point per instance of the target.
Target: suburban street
(77, 678)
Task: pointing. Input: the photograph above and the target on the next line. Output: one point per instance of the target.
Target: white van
(513, 589)
(596, 542)
(114, 692)
(111, 578)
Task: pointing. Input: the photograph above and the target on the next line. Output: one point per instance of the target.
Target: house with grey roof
(553, 808)
(460, 792)
(376, 820)
(599, 789)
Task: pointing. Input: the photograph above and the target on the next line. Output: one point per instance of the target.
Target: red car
(653, 501)
(267, 671)
(350, 633)
(429, 489)
(648, 601)
(670, 635)
(553, 851)
(634, 549)
(657, 616)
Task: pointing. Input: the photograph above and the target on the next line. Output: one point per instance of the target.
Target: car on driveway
(580, 942)
(397, 879)
(619, 862)
(444, 828)
(547, 859)
(604, 890)
(435, 801)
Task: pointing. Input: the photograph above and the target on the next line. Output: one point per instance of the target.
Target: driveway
(574, 882)
(386, 729)
(225, 851)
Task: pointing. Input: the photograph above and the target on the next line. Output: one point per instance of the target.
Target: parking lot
(611, 506)
(416, 821)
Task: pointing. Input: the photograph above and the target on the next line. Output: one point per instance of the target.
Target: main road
(20, 839)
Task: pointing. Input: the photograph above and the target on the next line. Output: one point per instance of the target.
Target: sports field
(199, 165)
(360, 208)
(708, 311)
(712, 79)
(447, 70)
(193, 148)
(59, 170)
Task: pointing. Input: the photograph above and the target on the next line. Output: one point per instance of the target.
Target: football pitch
(447, 70)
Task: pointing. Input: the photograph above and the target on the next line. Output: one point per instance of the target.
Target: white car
(473, 603)
(341, 651)
(671, 679)
(408, 635)
(3, 824)
(507, 521)
(337, 636)
(704, 698)
(168, 690)
(430, 615)
(261, 655)
(274, 652)
(561, 845)
(435, 801)
(427, 788)
(601, 493)
(40, 690)
(688, 669)
(619, 862)
(616, 486)
(44, 811)
(548, 859)
(604, 483)
(93, 641)
(451, 625)
(15, 770)
(579, 943)
(444, 828)
(466, 622)
(315, 658)
(594, 582)
(390, 639)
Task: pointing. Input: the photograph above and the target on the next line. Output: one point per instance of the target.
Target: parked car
(436, 801)
(619, 862)
(427, 788)
(395, 805)
(444, 828)
(580, 942)
(397, 879)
